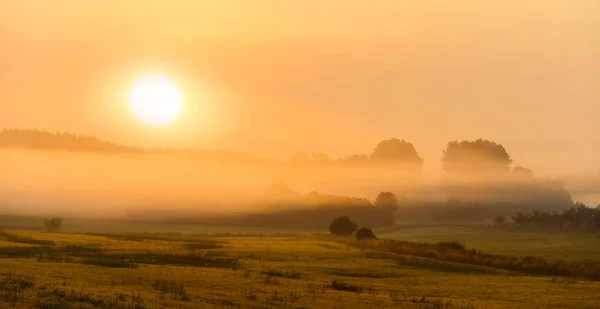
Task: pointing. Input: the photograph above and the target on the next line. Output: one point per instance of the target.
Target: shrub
(365, 234)
(451, 245)
(499, 219)
(53, 225)
(343, 286)
(342, 226)
(290, 274)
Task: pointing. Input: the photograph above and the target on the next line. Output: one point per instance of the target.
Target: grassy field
(566, 245)
(171, 270)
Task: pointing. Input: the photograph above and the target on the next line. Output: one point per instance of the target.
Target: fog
(109, 185)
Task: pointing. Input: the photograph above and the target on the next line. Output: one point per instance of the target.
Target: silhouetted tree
(499, 219)
(387, 201)
(520, 218)
(596, 220)
(396, 151)
(474, 157)
(365, 234)
(342, 226)
(53, 225)
(578, 217)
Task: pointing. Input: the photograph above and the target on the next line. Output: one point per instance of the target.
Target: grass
(344, 286)
(24, 239)
(143, 270)
(566, 245)
(457, 253)
(281, 273)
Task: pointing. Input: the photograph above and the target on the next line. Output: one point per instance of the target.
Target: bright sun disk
(155, 99)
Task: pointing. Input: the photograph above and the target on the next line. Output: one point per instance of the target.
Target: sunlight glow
(155, 99)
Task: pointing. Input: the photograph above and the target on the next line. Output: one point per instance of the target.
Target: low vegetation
(24, 239)
(166, 271)
(365, 234)
(456, 252)
(342, 226)
(579, 217)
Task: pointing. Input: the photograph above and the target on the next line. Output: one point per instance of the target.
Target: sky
(275, 77)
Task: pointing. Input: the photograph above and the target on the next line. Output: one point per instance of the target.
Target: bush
(53, 225)
(342, 226)
(451, 245)
(499, 219)
(365, 234)
(343, 286)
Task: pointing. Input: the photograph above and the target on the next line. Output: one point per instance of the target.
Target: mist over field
(122, 182)
(276, 154)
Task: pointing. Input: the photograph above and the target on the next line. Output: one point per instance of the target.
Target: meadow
(245, 268)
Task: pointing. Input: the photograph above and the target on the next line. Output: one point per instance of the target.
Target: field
(193, 270)
(557, 244)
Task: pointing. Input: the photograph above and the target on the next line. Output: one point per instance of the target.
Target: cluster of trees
(344, 226)
(464, 158)
(578, 217)
(472, 157)
(53, 225)
(390, 151)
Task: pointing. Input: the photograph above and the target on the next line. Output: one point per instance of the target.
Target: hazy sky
(273, 77)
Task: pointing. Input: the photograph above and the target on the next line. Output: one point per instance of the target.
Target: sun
(155, 99)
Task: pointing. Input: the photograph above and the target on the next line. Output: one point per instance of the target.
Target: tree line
(459, 158)
(469, 158)
(36, 139)
(578, 217)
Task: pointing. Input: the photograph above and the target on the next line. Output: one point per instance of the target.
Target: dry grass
(163, 271)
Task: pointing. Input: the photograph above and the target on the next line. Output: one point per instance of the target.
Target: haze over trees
(387, 201)
(471, 158)
(396, 151)
(36, 139)
(493, 187)
(392, 151)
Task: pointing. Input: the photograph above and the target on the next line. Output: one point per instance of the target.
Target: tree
(53, 225)
(475, 157)
(396, 151)
(596, 220)
(365, 234)
(388, 201)
(342, 226)
(523, 173)
(499, 219)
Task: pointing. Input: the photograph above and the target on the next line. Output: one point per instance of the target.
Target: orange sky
(273, 77)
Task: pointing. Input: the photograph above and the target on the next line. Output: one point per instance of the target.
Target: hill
(62, 141)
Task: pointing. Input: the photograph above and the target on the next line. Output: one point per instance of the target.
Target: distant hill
(44, 140)
(35, 139)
